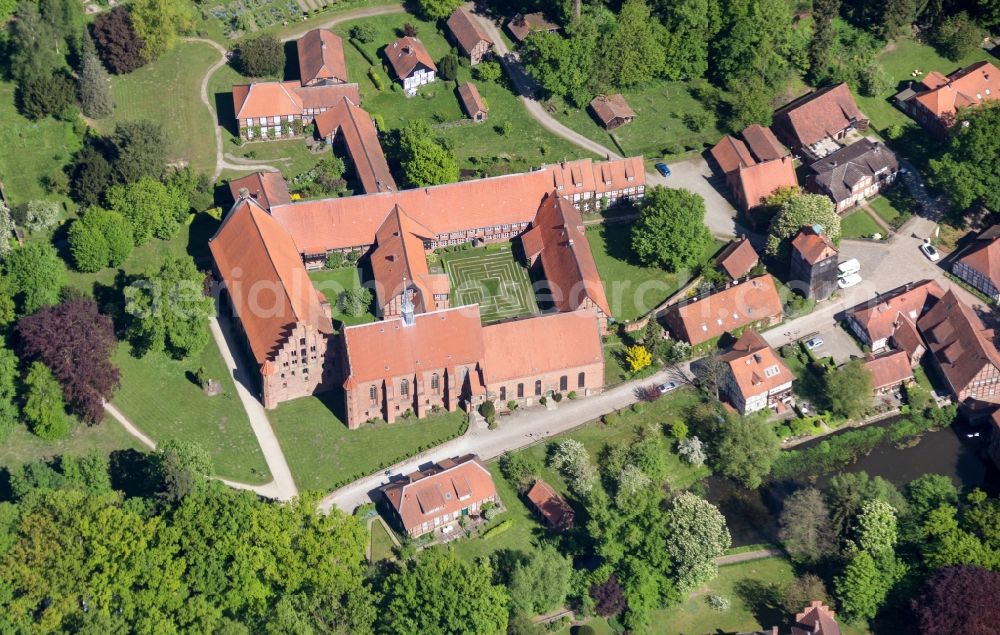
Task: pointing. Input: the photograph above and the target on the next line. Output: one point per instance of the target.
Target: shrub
(376, 79)
(718, 603)
(543, 400)
(489, 412)
(511, 405)
(571, 395)
(557, 397)
(488, 71)
(493, 532)
(261, 56)
(363, 32)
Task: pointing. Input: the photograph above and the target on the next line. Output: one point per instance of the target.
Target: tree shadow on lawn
(618, 243)
(763, 600)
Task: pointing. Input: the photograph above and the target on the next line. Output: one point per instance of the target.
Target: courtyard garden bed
(492, 278)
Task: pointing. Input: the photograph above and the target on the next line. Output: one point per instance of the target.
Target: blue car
(662, 169)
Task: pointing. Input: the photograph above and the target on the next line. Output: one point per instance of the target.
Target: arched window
(503, 393)
(373, 394)
(435, 382)
(538, 387)
(404, 387)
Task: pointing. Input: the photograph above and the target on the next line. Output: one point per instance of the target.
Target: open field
(332, 283)
(493, 280)
(858, 224)
(323, 454)
(167, 92)
(22, 446)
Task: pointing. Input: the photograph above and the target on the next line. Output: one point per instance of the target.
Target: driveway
(696, 176)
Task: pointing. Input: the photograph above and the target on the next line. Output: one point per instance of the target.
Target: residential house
(521, 26)
(962, 350)
(855, 173)
(612, 110)
(556, 245)
(283, 320)
(730, 155)
(814, 125)
(350, 128)
(816, 619)
(399, 268)
(555, 512)
(814, 263)
(753, 302)
(979, 264)
(411, 62)
(755, 377)
(889, 371)
(472, 103)
(935, 100)
(762, 143)
(438, 497)
(738, 258)
(893, 315)
(321, 58)
(753, 184)
(471, 39)
(265, 188)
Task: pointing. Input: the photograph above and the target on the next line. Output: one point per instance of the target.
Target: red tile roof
(437, 339)
(267, 188)
(553, 508)
(541, 344)
(889, 370)
(611, 107)
(280, 99)
(749, 361)
(398, 261)
(880, 316)
(970, 86)
(756, 182)
(471, 101)
(440, 490)
(321, 57)
(813, 246)
(570, 270)
(738, 258)
(522, 25)
(763, 144)
(961, 345)
(822, 113)
(725, 311)
(907, 339)
(406, 54)
(984, 256)
(466, 31)
(361, 138)
(731, 154)
(267, 282)
(816, 619)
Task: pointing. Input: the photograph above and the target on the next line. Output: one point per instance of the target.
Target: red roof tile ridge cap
(350, 113)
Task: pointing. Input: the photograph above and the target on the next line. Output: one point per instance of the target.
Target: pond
(752, 515)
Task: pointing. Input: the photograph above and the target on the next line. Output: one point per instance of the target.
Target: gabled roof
(398, 261)
(731, 154)
(267, 282)
(611, 107)
(722, 312)
(466, 31)
(407, 54)
(440, 490)
(437, 339)
(880, 316)
(755, 366)
(763, 144)
(266, 188)
(570, 270)
(471, 101)
(816, 619)
(970, 86)
(820, 114)
(756, 182)
(280, 99)
(960, 343)
(533, 346)
(738, 258)
(523, 25)
(361, 138)
(553, 507)
(321, 56)
(813, 245)
(839, 172)
(984, 256)
(890, 369)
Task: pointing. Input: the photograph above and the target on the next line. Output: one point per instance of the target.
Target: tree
(930, 491)
(632, 53)
(38, 215)
(169, 310)
(431, 595)
(805, 528)
(438, 9)
(6, 230)
(425, 161)
(261, 56)
(488, 71)
(182, 467)
(824, 11)
(847, 494)
(745, 450)
(671, 231)
(159, 24)
(99, 239)
(540, 583)
(94, 88)
(862, 588)
(631, 481)
(150, 208)
(958, 599)
(36, 274)
(609, 598)
(448, 67)
(44, 409)
(519, 469)
(75, 341)
(91, 174)
(119, 46)
(749, 102)
(798, 212)
(363, 32)
(804, 589)
(692, 450)
(875, 529)
(30, 47)
(356, 301)
(697, 535)
(897, 16)
(756, 40)
(8, 391)
(637, 358)
(849, 389)
(138, 149)
(690, 26)
(958, 36)
(964, 169)
(43, 95)
(199, 191)
(571, 458)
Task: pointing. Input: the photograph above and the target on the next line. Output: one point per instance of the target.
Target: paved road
(346, 16)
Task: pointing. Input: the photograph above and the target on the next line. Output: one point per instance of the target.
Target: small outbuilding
(472, 102)
(551, 507)
(521, 26)
(612, 110)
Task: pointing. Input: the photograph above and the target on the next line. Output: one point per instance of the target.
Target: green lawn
(859, 224)
(491, 278)
(883, 207)
(381, 542)
(22, 446)
(632, 289)
(323, 454)
(332, 283)
(167, 92)
(30, 149)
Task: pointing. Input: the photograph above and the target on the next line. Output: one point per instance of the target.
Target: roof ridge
(270, 259)
(368, 160)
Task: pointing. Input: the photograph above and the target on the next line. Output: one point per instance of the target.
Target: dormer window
(771, 371)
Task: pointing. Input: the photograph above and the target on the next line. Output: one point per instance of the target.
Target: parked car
(667, 387)
(929, 251)
(848, 280)
(814, 343)
(662, 169)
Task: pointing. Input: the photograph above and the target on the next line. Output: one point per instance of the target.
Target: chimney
(244, 193)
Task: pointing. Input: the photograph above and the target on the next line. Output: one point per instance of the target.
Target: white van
(848, 268)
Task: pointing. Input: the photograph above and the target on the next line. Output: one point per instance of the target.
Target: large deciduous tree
(75, 341)
(159, 24)
(38, 215)
(6, 230)
(690, 26)
(805, 528)
(425, 161)
(958, 599)
(671, 232)
(541, 583)
(44, 408)
(632, 53)
(957, 36)
(150, 207)
(798, 212)
(745, 450)
(36, 274)
(968, 170)
(261, 56)
(437, 9)
(99, 239)
(696, 536)
(117, 42)
(849, 389)
(8, 391)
